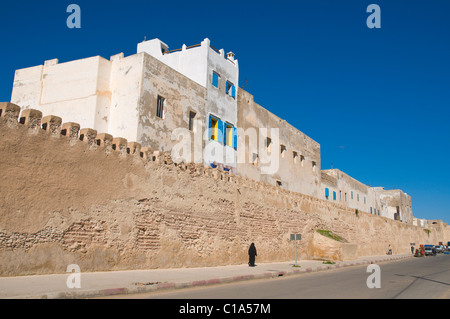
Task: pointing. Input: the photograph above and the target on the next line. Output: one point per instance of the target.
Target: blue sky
(377, 100)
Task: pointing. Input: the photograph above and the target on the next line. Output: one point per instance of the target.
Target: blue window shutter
(220, 131)
(234, 138)
(215, 79)
(209, 127)
(327, 192)
(225, 134)
(233, 91)
(334, 195)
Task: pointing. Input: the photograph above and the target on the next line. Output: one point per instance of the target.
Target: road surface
(426, 277)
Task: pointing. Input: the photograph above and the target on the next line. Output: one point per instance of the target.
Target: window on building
(340, 195)
(357, 196)
(397, 215)
(282, 150)
(279, 183)
(214, 128)
(334, 195)
(345, 196)
(228, 134)
(160, 107)
(295, 156)
(268, 144)
(371, 210)
(191, 120)
(314, 166)
(351, 196)
(255, 159)
(302, 160)
(215, 79)
(230, 89)
(327, 193)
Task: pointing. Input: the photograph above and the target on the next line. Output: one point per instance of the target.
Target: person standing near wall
(251, 255)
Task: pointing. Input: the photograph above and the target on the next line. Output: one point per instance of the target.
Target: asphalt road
(425, 278)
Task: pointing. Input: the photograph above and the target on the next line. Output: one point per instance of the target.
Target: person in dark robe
(252, 254)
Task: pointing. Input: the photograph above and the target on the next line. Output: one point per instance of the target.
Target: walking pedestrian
(251, 255)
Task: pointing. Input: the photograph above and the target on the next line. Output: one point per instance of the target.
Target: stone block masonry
(74, 197)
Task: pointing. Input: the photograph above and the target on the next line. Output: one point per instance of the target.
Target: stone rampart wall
(73, 196)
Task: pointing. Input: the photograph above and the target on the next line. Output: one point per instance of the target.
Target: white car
(429, 250)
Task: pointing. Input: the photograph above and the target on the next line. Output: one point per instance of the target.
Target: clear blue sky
(377, 100)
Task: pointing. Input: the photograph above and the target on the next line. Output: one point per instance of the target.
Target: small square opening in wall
(282, 150)
(302, 160)
(160, 107)
(279, 183)
(314, 166)
(191, 120)
(295, 157)
(268, 144)
(255, 159)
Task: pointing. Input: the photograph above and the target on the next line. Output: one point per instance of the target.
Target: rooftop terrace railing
(194, 46)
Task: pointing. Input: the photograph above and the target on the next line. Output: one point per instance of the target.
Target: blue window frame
(230, 137)
(334, 195)
(230, 89)
(216, 128)
(327, 193)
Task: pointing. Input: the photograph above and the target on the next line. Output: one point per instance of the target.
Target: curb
(166, 286)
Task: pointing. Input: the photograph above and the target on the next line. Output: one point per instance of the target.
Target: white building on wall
(141, 99)
(145, 97)
(337, 186)
(219, 74)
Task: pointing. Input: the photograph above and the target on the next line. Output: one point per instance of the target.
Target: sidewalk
(98, 284)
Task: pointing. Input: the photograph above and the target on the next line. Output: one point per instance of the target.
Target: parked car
(439, 249)
(430, 250)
